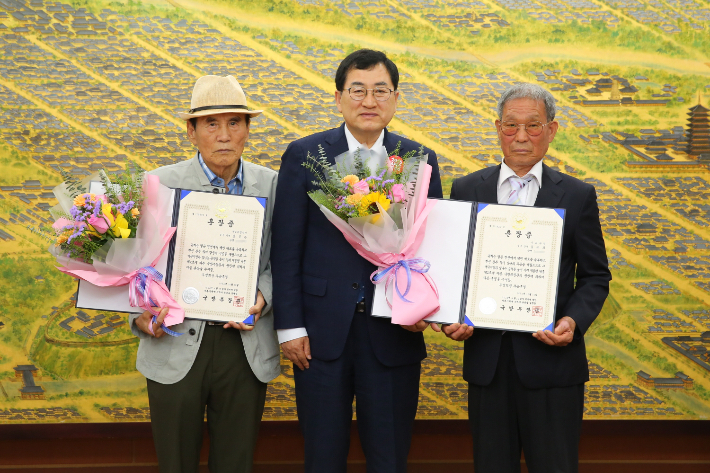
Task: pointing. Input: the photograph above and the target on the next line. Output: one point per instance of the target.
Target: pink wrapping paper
(377, 239)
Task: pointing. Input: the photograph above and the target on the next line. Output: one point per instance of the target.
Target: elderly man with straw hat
(221, 368)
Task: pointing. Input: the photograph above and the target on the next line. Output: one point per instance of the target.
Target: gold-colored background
(92, 84)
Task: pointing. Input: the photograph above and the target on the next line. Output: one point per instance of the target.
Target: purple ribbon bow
(139, 288)
(418, 265)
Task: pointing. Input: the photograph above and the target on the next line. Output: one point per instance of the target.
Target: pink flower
(361, 187)
(99, 224)
(398, 193)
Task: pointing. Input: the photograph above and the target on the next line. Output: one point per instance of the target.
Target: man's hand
(255, 310)
(418, 327)
(144, 324)
(457, 332)
(298, 351)
(564, 333)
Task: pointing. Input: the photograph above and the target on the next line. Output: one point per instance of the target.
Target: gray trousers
(221, 381)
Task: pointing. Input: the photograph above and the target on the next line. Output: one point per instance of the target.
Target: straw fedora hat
(217, 94)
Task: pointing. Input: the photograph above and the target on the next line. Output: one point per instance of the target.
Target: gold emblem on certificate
(519, 221)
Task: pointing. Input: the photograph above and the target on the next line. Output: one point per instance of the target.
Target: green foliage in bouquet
(353, 190)
(95, 220)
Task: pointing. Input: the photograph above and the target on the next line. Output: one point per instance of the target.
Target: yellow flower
(353, 199)
(118, 224)
(368, 203)
(135, 212)
(350, 179)
(106, 210)
(80, 200)
(120, 228)
(62, 238)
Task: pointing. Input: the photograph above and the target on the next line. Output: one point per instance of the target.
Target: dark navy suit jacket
(583, 284)
(317, 274)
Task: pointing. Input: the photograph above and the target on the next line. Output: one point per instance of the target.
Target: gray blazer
(167, 359)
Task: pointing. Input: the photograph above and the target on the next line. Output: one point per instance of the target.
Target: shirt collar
(535, 172)
(217, 181)
(353, 144)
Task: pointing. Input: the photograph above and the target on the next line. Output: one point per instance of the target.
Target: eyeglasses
(532, 128)
(381, 94)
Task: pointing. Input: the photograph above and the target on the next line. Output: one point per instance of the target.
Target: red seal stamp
(238, 302)
(537, 311)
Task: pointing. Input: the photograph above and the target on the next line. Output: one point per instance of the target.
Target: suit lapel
(249, 181)
(335, 143)
(390, 141)
(488, 190)
(550, 194)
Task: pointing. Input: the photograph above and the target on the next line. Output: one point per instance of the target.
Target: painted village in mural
(94, 84)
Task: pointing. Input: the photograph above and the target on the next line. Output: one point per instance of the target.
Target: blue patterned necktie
(517, 184)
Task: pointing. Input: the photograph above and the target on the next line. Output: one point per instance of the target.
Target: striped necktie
(517, 184)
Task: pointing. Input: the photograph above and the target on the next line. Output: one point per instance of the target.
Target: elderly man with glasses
(526, 392)
(323, 293)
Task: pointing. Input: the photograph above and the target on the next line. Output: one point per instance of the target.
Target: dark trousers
(506, 417)
(221, 380)
(386, 404)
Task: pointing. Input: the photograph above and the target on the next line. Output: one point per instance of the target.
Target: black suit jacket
(583, 284)
(316, 273)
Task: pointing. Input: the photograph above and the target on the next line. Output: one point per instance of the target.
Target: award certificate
(514, 267)
(214, 266)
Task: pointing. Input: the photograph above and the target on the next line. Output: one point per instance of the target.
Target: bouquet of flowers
(115, 238)
(382, 214)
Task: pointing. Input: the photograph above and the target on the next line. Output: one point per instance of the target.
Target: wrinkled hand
(143, 322)
(418, 327)
(457, 332)
(255, 310)
(564, 333)
(298, 351)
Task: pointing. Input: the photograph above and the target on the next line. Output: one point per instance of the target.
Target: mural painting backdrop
(93, 84)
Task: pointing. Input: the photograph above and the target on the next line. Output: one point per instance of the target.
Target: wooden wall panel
(610, 446)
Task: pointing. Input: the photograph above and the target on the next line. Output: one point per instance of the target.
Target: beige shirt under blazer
(167, 359)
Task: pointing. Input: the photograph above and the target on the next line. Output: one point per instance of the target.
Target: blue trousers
(386, 404)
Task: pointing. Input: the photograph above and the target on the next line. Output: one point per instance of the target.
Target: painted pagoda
(698, 133)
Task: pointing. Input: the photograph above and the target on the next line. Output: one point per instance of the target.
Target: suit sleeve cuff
(288, 334)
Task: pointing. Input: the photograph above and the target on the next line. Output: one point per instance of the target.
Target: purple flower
(377, 178)
(76, 233)
(125, 207)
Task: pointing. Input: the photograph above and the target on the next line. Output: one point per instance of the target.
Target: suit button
(356, 286)
(192, 331)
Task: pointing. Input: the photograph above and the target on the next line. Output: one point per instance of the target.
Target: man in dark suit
(527, 391)
(323, 293)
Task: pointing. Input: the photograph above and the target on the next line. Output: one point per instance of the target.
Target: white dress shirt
(527, 194)
(288, 334)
